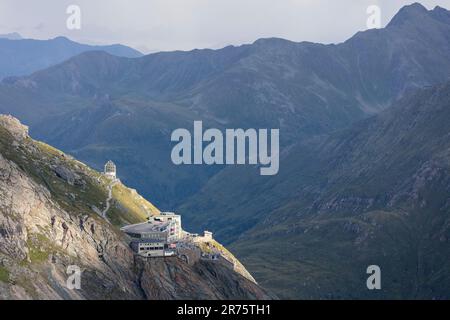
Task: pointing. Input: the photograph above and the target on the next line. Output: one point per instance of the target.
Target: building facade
(157, 237)
(173, 223)
(149, 248)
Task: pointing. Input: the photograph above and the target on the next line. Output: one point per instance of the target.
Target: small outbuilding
(110, 169)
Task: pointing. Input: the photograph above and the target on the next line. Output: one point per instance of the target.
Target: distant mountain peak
(19, 57)
(271, 40)
(415, 7)
(62, 38)
(11, 36)
(408, 13)
(441, 14)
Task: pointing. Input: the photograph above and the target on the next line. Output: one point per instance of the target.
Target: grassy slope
(4, 274)
(128, 201)
(37, 158)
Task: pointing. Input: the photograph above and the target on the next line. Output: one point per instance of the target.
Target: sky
(166, 25)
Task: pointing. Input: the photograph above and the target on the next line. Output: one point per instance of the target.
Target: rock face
(67, 175)
(17, 130)
(47, 225)
(170, 279)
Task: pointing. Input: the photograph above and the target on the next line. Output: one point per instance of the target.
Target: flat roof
(167, 213)
(144, 227)
(148, 241)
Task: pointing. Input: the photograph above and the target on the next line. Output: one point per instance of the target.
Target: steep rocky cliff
(51, 210)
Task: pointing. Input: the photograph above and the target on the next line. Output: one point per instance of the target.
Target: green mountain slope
(377, 193)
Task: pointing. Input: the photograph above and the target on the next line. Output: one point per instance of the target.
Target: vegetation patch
(4, 274)
(40, 248)
(129, 207)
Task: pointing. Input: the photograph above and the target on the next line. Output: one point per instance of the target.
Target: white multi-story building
(174, 224)
(147, 237)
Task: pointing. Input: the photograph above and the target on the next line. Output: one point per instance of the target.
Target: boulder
(67, 175)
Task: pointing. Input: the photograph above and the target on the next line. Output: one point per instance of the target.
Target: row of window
(152, 248)
(156, 235)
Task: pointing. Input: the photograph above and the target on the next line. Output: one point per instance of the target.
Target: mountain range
(19, 57)
(356, 128)
(97, 106)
